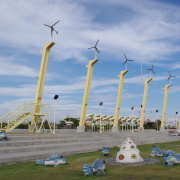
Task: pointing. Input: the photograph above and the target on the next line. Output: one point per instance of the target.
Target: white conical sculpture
(128, 153)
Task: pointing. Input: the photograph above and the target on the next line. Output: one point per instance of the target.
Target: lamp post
(100, 104)
(132, 119)
(176, 119)
(55, 98)
(140, 117)
(157, 119)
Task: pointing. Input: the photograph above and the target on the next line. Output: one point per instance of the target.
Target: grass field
(73, 170)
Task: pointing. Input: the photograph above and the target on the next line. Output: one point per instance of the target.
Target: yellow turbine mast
(146, 83)
(118, 102)
(41, 80)
(162, 128)
(81, 127)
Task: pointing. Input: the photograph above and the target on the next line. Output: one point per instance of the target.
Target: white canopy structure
(93, 122)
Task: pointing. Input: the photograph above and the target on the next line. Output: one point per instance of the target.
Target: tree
(159, 124)
(46, 124)
(61, 124)
(4, 124)
(22, 126)
(74, 120)
(149, 125)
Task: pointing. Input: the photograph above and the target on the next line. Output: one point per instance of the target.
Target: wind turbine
(150, 71)
(169, 78)
(96, 49)
(125, 62)
(52, 29)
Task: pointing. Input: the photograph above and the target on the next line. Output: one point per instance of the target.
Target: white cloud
(24, 91)
(13, 66)
(150, 34)
(28, 33)
(8, 106)
(176, 66)
(78, 86)
(174, 89)
(10, 67)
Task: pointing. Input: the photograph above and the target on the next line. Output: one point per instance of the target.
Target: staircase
(22, 147)
(20, 114)
(31, 146)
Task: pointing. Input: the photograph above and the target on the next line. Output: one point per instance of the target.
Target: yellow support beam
(118, 102)
(164, 106)
(41, 79)
(144, 101)
(81, 127)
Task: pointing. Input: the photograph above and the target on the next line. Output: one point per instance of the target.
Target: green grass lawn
(74, 168)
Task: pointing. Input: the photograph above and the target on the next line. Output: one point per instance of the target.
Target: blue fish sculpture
(53, 160)
(157, 152)
(174, 134)
(40, 162)
(169, 153)
(3, 136)
(97, 165)
(171, 160)
(105, 151)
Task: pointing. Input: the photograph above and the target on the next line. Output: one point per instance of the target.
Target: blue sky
(147, 31)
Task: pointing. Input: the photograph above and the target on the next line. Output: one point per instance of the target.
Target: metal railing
(21, 111)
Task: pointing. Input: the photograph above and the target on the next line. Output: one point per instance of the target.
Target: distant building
(52, 125)
(148, 121)
(66, 116)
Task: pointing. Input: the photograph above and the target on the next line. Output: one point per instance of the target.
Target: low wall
(47, 130)
(73, 130)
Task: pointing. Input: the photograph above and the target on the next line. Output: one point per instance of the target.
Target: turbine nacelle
(150, 70)
(95, 47)
(52, 28)
(125, 62)
(169, 78)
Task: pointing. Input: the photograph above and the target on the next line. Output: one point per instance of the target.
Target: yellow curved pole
(41, 79)
(164, 106)
(118, 102)
(81, 127)
(146, 83)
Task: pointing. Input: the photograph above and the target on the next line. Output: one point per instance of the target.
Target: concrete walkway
(22, 147)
